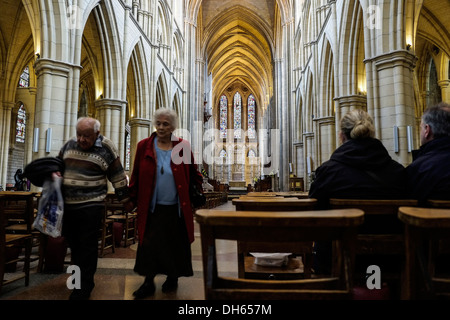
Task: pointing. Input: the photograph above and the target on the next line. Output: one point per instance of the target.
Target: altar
(237, 187)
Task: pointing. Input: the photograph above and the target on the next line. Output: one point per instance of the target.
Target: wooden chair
(422, 227)
(246, 262)
(277, 227)
(11, 241)
(116, 211)
(106, 233)
(380, 239)
(21, 209)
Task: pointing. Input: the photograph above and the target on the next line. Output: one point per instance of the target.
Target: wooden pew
(278, 227)
(273, 204)
(422, 227)
(246, 263)
(380, 239)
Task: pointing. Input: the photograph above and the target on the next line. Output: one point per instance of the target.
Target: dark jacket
(429, 173)
(143, 178)
(359, 169)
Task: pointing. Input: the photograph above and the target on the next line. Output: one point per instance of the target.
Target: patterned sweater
(87, 173)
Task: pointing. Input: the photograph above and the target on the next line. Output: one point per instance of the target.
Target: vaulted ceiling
(238, 42)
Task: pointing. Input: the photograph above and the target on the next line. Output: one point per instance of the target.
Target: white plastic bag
(271, 259)
(51, 208)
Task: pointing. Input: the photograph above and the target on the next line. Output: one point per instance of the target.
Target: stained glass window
(251, 117)
(21, 124)
(223, 153)
(237, 115)
(24, 81)
(223, 116)
(128, 147)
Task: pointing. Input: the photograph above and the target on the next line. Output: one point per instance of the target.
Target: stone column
(5, 130)
(53, 107)
(394, 106)
(140, 129)
(109, 113)
(445, 90)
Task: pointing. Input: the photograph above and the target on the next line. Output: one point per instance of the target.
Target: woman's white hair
(170, 113)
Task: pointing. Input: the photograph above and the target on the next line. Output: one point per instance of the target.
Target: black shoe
(78, 294)
(171, 284)
(145, 290)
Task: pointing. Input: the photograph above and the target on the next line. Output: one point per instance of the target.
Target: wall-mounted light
(48, 142)
(38, 55)
(409, 133)
(36, 140)
(396, 145)
(408, 46)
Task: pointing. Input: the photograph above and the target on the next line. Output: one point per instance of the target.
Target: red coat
(143, 179)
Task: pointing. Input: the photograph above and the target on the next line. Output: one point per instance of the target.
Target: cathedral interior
(259, 85)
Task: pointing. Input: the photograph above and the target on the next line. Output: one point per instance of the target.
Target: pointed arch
(351, 68)
(327, 85)
(161, 97)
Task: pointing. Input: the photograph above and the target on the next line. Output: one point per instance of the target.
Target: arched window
(223, 153)
(128, 146)
(251, 153)
(251, 117)
(24, 81)
(237, 115)
(223, 116)
(21, 124)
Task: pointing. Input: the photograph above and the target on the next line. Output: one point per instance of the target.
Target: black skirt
(165, 248)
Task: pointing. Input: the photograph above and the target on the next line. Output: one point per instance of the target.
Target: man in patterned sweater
(90, 161)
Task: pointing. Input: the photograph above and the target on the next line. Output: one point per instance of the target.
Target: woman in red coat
(159, 188)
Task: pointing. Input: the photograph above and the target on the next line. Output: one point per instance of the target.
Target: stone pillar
(110, 113)
(53, 106)
(140, 129)
(5, 130)
(393, 74)
(445, 90)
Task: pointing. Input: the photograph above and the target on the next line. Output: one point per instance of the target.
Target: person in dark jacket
(159, 187)
(361, 168)
(429, 173)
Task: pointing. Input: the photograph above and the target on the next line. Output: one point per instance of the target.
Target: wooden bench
(274, 204)
(380, 238)
(277, 227)
(423, 226)
(381, 232)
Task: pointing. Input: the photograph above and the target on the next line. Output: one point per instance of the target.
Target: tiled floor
(116, 280)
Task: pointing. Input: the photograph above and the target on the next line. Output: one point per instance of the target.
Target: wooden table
(424, 227)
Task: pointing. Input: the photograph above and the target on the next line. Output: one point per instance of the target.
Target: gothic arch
(326, 81)
(351, 69)
(176, 105)
(163, 28)
(162, 98)
(138, 83)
